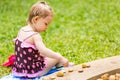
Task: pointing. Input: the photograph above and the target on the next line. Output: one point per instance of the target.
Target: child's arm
(48, 52)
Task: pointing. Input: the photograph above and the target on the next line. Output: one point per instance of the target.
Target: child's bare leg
(50, 63)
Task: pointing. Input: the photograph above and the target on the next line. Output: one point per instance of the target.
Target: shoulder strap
(30, 36)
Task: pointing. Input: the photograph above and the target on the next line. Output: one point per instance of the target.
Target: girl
(33, 59)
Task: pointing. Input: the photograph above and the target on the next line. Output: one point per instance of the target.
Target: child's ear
(35, 19)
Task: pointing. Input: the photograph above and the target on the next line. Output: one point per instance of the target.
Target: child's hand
(64, 62)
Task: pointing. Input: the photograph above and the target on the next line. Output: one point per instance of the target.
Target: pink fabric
(26, 45)
(23, 45)
(10, 61)
(29, 75)
(25, 74)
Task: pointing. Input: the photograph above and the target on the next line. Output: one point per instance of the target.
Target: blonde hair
(41, 9)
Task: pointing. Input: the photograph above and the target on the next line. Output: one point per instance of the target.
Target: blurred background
(82, 30)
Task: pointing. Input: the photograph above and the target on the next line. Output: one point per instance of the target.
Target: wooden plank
(97, 68)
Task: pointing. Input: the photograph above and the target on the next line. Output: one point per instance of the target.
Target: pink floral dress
(28, 61)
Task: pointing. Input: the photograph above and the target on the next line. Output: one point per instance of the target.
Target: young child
(33, 58)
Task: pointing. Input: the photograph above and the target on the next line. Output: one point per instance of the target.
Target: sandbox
(110, 65)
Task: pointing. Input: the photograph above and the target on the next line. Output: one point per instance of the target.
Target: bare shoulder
(37, 37)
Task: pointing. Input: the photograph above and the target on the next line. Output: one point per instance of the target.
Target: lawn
(82, 30)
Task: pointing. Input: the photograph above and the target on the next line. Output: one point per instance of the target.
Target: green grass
(82, 30)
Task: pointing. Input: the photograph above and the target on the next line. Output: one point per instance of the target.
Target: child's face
(42, 23)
